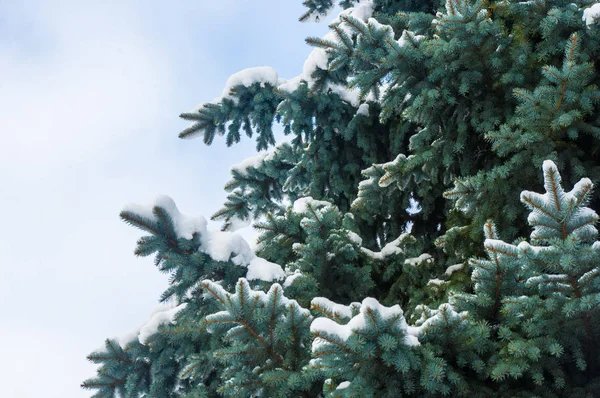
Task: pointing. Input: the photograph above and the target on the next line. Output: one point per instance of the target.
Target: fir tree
(380, 268)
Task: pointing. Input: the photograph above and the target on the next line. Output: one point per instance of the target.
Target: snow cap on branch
(220, 245)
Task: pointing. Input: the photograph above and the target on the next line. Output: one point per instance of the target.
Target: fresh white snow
(592, 14)
(389, 249)
(185, 226)
(263, 297)
(301, 205)
(363, 109)
(253, 161)
(290, 279)
(259, 268)
(220, 245)
(355, 238)
(436, 282)
(334, 309)
(343, 385)
(162, 315)
(423, 258)
(579, 221)
(249, 76)
(359, 322)
(453, 268)
(318, 57)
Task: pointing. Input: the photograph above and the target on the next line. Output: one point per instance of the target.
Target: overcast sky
(89, 97)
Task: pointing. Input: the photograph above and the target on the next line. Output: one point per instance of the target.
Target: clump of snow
(249, 76)
(350, 95)
(250, 162)
(290, 279)
(414, 208)
(363, 11)
(301, 205)
(430, 317)
(591, 15)
(423, 258)
(436, 282)
(291, 85)
(355, 238)
(385, 182)
(246, 77)
(363, 109)
(333, 309)
(389, 249)
(220, 245)
(376, 25)
(330, 328)
(318, 59)
(453, 268)
(259, 268)
(257, 160)
(162, 315)
(184, 226)
(404, 39)
(343, 385)
(125, 339)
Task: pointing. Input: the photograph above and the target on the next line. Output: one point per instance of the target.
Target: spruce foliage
(395, 257)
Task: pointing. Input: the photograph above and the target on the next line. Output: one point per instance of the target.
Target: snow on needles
(246, 77)
(249, 76)
(591, 15)
(389, 249)
(251, 162)
(259, 268)
(422, 259)
(363, 109)
(221, 246)
(343, 385)
(329, 328)
(184, 226)
(289, 281)
(161, 316)
(301, 205)
(318, 57)
(257, 160)
(453, 268)
(332, 309)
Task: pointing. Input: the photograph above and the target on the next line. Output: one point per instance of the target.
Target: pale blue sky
(89, 97)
